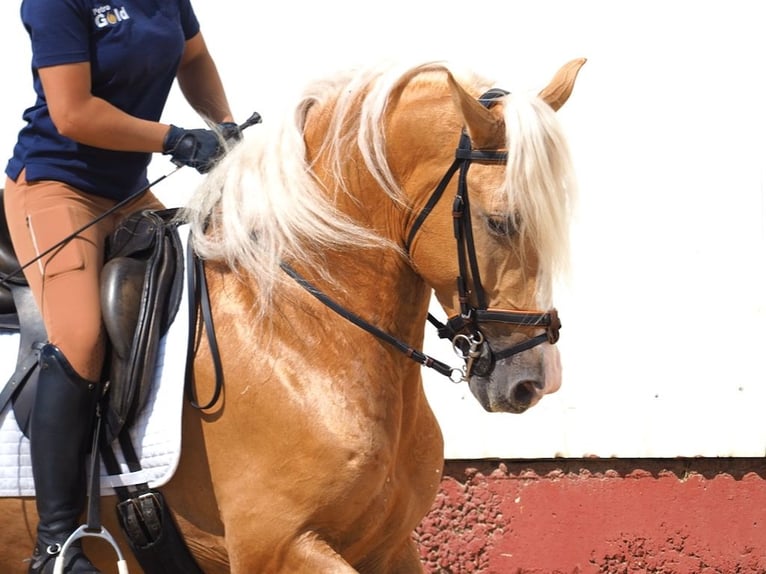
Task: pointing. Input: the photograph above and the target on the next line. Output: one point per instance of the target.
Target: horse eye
(503, 226)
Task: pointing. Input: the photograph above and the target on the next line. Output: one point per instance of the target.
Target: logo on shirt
(105, 15)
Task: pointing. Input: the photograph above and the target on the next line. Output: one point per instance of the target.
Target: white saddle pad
(156, 434)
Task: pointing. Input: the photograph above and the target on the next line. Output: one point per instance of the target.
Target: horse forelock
(539, 187)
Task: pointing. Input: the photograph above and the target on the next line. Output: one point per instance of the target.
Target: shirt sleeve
(59, 31)
(189, 21)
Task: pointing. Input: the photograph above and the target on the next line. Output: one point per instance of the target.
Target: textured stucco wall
(674, 516)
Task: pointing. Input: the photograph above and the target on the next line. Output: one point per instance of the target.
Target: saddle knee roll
(122, 283)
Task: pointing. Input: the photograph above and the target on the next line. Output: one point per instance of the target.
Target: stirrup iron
(83, 532)
(93, 527)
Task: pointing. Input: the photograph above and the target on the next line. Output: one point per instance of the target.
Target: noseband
(464, 330)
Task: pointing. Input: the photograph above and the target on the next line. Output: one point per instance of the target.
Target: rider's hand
(198, 148)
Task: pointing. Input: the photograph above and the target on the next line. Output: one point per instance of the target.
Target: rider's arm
(200, 82)
(87, 119)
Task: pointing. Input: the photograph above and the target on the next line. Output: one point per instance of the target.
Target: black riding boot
(59, 439)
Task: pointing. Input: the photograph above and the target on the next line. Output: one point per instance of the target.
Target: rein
(463, 330)
(412, 353)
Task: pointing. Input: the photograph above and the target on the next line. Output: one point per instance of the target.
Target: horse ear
(557, 92)
(485, 129)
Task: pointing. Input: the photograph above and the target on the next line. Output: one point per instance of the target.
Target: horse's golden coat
(323, 454)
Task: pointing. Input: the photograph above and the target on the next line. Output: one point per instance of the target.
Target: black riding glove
(198, 148)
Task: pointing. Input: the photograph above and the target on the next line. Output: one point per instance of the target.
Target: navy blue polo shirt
(134, 48)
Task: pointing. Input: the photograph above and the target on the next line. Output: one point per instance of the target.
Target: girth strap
(146, 521)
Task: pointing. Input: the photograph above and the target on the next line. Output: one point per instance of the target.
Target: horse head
(490, 235)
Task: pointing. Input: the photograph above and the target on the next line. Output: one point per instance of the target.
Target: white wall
(662, 341)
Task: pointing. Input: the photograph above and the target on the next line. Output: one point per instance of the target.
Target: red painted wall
(685, 516)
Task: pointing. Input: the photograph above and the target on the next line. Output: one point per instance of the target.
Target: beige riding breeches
(65, 283)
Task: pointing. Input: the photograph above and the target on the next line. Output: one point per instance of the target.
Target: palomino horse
(322, 454)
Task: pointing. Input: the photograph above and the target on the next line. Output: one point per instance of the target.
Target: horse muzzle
(511, 382)
(499, 394)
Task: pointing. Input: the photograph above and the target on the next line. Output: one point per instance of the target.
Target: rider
(102, 72)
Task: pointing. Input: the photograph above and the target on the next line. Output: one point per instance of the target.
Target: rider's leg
(65, 285)
(60, 433)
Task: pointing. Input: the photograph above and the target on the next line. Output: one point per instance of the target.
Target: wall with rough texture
(599, 516)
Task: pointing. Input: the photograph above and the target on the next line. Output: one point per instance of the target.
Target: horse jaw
(518, 383)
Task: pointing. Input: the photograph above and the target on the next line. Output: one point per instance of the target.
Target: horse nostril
(524, 392)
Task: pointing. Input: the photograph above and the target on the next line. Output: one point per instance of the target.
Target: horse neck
(377, 283)
(381, 287)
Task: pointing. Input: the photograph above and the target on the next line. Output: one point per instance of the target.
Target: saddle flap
(141, 291)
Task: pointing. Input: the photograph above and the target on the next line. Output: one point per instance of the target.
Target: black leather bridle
(463, 330)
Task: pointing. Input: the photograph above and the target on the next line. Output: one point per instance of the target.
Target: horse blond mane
(539, 185)
(263, 205)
